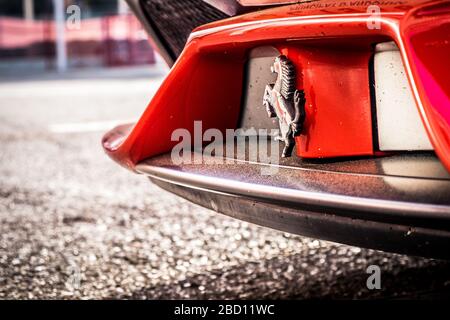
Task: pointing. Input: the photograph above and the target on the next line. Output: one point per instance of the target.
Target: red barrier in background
(111, 40)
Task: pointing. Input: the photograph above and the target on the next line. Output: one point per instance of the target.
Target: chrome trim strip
(326, 201)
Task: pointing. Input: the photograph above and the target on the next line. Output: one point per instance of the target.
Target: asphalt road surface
(73, 224)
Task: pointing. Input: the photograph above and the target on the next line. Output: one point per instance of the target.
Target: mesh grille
(173, 20)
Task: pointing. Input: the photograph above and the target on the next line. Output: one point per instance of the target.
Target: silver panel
(398, 119)
(258, 75)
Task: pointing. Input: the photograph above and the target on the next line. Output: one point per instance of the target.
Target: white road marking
(87, 126)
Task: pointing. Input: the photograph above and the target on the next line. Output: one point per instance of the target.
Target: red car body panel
(337, 106)
(330, 43)
(426, 34)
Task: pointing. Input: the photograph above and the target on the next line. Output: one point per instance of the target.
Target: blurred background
(75, 225)
(106, 35)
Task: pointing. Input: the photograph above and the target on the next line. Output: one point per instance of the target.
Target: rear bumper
(214, 58)
(396, 204)
(360, 205)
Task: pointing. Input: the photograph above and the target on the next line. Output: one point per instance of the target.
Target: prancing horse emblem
(284, 101)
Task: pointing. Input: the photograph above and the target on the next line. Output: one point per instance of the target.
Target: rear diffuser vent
(174, 20)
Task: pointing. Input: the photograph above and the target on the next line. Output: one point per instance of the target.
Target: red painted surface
(206, 81)
(202, 86)
(264, 2)
(338, 110)
(426, 34)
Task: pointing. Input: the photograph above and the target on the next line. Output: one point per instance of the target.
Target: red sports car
(324, 118)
